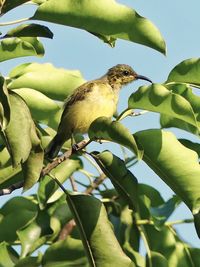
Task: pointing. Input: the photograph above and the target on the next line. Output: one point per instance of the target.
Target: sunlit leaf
(106, 18)
(166, 155)
(157, 259)
(43, 109)
(96, 232)
(188, 71)
(20, 47)
(8, 256)
(54, 82)
(104, 128)
(159, 99)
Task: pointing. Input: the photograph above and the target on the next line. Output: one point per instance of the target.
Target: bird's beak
(141, 77)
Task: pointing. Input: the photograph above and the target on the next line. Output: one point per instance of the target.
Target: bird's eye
(125, 72)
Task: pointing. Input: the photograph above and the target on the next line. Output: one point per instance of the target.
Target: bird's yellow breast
(100, 101)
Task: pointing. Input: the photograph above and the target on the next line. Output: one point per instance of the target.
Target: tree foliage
(96, 226)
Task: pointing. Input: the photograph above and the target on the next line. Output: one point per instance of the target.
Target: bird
(90, 101)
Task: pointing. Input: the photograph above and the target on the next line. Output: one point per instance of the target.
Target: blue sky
(178, 21)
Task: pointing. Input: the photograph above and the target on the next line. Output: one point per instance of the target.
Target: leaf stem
(14, 22)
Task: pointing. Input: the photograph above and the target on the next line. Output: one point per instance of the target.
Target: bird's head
(123, 74)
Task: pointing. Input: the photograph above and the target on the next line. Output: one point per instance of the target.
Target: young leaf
(8, 255)
(157, 98)
(45, 78)
(104, 128)
(177, 165)
(20, 47)
(29, 30)
(188, 71)
(97, 235)
(105, 17)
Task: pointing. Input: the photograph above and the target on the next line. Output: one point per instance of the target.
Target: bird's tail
(54, 147)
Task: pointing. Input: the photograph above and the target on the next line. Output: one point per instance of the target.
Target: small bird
(89, 101)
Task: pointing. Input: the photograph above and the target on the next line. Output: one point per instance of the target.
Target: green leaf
(17, 213)
(97, 235)
(19, 130)
(163, 212)
(45, 78)
(188, 71)
(6, 257)
(158, 259)
(104, 128)
(185, 91)
(62, 172)
(30, 30)
(43, 109)
(191, 145)
(30, 261)
(177, 165)
(4, 105)
(7, 5)
(106, 18)
(123, 180)
(32, 167)
(69, 252)
(20, 47)
(35, 233)
(159, 99)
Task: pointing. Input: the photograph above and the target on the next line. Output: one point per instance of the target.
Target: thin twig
(73, 184)
(10, 189)
(47, 169)
(99, 180)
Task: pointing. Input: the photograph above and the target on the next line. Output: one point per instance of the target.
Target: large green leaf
(68, 252)
(54, 82)
(123, 180)
(35, 233)
(7, 256)
(104, 18)
(4, 105)
(62, 172)
(185, 91)
(157, 259)
(30, 30)
(20, 47)
(43, 109)
(104, 128)
(97, 235)
(157, 98)
(32, 167)
(188, 71)
(17, 213)
(177, 165)
(18, 132)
